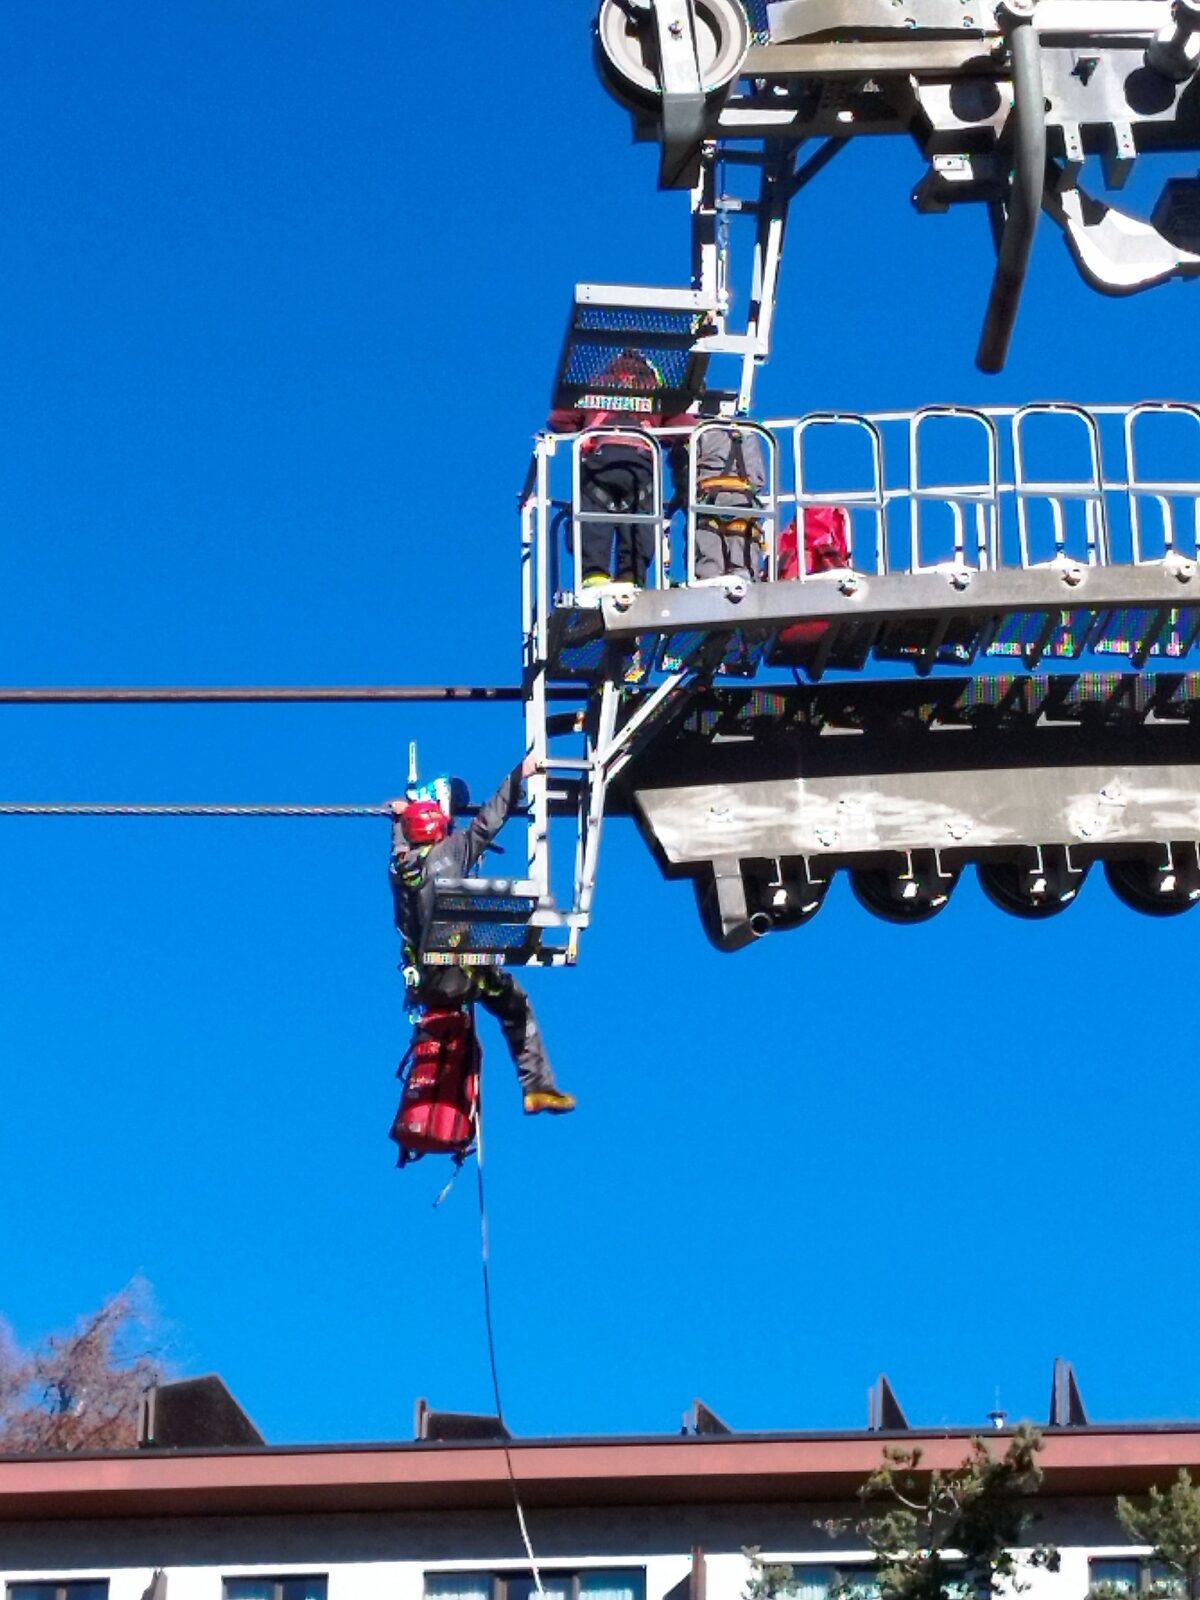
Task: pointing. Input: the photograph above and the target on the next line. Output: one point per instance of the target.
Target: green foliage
(767, 1580)
(1170, 1524)
(944, 1535)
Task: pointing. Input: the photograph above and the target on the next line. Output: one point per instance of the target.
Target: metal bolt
(960, 578)
(848, 585)
(675, 29)
(1072, 575)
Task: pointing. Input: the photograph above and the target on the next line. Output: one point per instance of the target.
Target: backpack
(826, 542)
(440, 1099)
(826, 548)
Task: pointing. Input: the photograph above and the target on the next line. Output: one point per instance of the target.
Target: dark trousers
(617, 478)
(499, 993)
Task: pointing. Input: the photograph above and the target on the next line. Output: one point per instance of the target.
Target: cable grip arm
(1028, 182)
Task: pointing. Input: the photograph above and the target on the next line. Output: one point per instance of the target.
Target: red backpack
(826, 547)
(826, 542)
(441, 1087)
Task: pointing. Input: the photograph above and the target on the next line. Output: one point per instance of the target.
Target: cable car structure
(1003, 678)
(765, 735)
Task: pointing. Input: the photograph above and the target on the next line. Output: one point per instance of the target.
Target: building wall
(384, 1556)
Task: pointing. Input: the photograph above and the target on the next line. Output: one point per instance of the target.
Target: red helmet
(424, 822)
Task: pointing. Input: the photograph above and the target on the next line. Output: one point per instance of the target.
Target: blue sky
(283, 288)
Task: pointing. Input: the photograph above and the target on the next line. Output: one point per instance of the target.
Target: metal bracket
(682, 94)
(1116, 253)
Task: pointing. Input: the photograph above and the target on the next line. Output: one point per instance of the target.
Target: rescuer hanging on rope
(424, 849)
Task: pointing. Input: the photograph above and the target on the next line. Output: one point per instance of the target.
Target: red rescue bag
(826, 547)
(826, 542)
(441, 1087)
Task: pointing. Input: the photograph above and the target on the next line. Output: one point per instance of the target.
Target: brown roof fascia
(1093, 1460)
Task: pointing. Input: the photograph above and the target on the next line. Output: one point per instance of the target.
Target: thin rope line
(14, 808)
(491, 1342)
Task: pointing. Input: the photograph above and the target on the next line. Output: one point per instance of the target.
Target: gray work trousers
(719, 553)
(499, 993)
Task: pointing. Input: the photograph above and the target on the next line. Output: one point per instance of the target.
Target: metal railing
(956, 486)
(943, 489)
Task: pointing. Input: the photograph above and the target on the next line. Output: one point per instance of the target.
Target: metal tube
(1025, 196)
(273, 694)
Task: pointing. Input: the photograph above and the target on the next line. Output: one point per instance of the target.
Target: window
(1133, 1575)
(309, 1588)
(848, 1582)
(593, 1583)
(60, 1589)
(855, 1581)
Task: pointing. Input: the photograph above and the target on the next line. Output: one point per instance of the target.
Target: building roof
(724, 1468)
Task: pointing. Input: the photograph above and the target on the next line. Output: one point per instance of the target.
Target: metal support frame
(1049, 543)
(1031, 91)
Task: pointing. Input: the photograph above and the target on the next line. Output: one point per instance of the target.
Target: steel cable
(22, 808)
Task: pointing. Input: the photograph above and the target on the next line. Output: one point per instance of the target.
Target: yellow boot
(552, 1100)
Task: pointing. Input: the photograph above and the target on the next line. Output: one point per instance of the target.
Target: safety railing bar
(617, 516)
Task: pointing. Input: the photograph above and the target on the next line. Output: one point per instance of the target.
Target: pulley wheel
(1010, 886)
(626, 38)
(789, 902)
(897, 899)
(1138, 884)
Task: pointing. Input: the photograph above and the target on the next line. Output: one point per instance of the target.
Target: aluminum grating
(638, 319)
(464, 938)
(1019, 633)
(1126, 631)
(587, 363)
(501, 904)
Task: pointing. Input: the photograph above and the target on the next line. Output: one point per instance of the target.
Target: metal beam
(905, 596)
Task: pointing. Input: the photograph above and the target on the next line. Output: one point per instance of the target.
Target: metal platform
(982, 540)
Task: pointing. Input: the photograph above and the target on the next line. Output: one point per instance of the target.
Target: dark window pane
(622, 1584)
(1165, 1580)
(458, 1586)
(304, 1588)
(249, 1589)
(88, 1589)
(810, 1583)
(857, 1583)
(557, 1587)
(1121, 1574)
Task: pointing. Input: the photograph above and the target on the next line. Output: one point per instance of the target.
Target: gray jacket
(730, 452)
(414, 870)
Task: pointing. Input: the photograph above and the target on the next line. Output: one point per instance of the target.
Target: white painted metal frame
(899, 479)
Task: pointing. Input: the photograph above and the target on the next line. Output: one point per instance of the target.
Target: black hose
(1025, 195)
